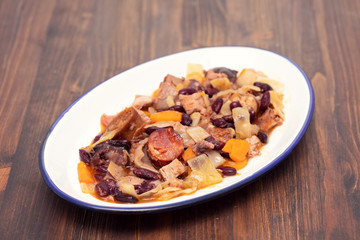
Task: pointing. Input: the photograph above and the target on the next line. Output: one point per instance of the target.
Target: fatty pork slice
(249, 101)
(254, 143)
(202, 146)
(268, 120)
(141, 101)
(172, 170)
(221, 134)
(167, 88)
(193, 103)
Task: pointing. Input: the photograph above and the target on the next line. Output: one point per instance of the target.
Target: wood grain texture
(51, 52)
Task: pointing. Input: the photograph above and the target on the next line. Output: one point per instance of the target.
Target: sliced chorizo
(165, 145)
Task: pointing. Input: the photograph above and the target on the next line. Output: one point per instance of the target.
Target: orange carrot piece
(146, 112)
(239, 150)
(169, 115)
(156, 92)
(188, 154)
(84, 173)
(241, 72)
(228, 145)
(236, 165)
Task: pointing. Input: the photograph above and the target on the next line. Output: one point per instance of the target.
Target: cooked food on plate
(190, 134)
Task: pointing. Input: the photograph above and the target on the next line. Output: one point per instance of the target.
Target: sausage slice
(165, 145)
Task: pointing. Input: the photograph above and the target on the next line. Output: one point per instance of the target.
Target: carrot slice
(228, 146)
(169, 115)
(156, 92)
(237, 149)
(84, 173)
(188, 154)
(236, 165)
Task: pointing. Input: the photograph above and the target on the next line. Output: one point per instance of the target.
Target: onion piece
(170, 101)
(242, 123)
(197, 133)
(225, 108)
(195, 118)
(87, 188)
(151, 110)
(127, 188)
(246, 88)
(203, 171)
(276, 101)
(247, 77)
(215, 158)
(116, 171)
(221, 84)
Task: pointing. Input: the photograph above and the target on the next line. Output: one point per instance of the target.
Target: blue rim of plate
(189, 202)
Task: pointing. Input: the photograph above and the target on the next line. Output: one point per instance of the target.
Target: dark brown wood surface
(53, 51)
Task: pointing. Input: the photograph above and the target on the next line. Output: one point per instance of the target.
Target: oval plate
(80, 122)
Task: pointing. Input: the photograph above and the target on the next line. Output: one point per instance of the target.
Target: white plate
(79, 123)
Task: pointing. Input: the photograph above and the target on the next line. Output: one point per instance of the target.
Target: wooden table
(51, 52)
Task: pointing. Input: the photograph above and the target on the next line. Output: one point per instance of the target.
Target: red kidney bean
(187, 91)
(84, 156)
(101, 169)
(126, 198)
(252, 115)
(230, 125)
(186, 119)
(151, 129)
(99, 177)
(235, 104)
(177, 108)
(217, 145)
(262, 136)
(111, 183)
(217, 104)
(219, 122)
(228, 171)
(144, 187)
(126, 144)
(224, 154)
(102, 189)
(145, 174)
(228, 118)
(263, 86)
(211, 91)
(265, 101)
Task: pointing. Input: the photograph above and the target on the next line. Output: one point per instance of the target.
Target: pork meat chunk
(167, 88)
(193, 103)
(268, 120)
(221, 134)
(172, 170)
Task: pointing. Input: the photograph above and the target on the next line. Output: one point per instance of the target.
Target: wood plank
(51, 52)
(20, 51)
